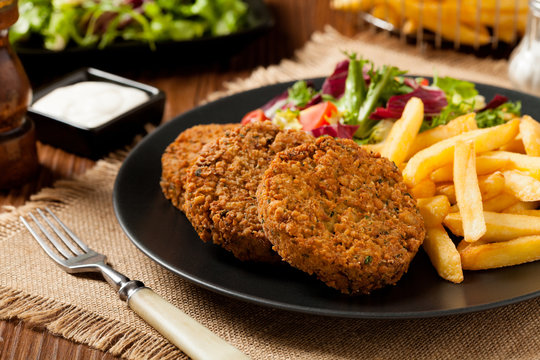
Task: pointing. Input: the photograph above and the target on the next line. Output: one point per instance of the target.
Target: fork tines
(69, 246)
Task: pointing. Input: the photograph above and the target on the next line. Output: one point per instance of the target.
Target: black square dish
(94, 142)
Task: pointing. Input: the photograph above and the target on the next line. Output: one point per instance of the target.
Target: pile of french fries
(482, 185)
(469, 22)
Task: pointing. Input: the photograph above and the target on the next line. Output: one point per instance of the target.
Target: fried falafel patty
(337, 211)
(182, 153)
(220, 188)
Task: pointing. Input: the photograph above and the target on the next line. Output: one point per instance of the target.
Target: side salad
(57, 24)
(361, 102)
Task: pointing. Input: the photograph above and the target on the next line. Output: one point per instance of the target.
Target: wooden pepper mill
(18, 156)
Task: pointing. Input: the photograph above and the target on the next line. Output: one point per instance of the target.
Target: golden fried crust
(221, 186)
(182, 153)
(332, 209)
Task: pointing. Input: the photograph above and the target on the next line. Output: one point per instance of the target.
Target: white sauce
(90, 103)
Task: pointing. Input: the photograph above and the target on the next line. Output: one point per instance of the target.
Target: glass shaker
(18, 155)
(524, 65)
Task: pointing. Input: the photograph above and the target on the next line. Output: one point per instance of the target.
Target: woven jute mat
(86, 310)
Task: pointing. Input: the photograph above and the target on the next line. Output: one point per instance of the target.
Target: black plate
(137, 55)
(164, 234)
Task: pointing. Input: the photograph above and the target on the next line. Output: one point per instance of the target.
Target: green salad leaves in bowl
(59, 24)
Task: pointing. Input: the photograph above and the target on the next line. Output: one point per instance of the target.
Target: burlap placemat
(86, 310)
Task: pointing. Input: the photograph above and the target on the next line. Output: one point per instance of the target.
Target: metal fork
(74, 256)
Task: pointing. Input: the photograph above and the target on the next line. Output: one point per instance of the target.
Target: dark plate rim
(257, 300)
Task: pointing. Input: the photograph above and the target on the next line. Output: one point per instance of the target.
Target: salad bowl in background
(119, 55)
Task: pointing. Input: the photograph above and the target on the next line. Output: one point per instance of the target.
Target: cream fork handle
(191, 337)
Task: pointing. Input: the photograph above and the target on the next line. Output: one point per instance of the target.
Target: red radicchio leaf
(335, 84)
(335, 130)
(281, 97)
(135, 3)
(434, 101)
(497, 101)
(411, 83)
(385, 113)
(314, 100)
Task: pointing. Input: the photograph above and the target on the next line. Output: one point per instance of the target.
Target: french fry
(491, 185)
(500, 254)
(484, 166)
(509, 33)
(434, 209)
(500, 202)
(443, 254)
(409, 27)
(430, 15)
(353, 5)
(504, 6)
(468, 196)
(499, 226)
(530, 134)
(429, 11)
(424, 189)
(522, 186)
(521, 207)
(376, 148)
(490, 7)
(447, 190)
(454, 127)
(397, 144)
(443, 174)
(387, 13)
(526, 163)
(533, 212)
(437, 155)
(451, 19)
(516, 145)
(496, 204)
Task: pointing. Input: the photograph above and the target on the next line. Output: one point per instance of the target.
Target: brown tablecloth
(86, 310)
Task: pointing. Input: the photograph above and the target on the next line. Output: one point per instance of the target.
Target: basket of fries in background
(478, 25)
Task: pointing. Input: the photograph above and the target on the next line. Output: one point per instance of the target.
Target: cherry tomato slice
(317, 115)
(253, 116)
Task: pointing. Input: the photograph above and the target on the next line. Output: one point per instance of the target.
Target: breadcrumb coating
(344, 214)
(221, 186)
(182, 153)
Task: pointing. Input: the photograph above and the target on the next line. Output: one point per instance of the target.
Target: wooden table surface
(185, 87)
